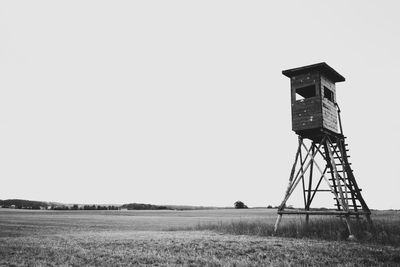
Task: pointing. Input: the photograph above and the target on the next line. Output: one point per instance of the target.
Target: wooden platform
(321, 212)
(316, 135)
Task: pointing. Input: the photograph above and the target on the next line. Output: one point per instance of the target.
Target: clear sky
(183, 102)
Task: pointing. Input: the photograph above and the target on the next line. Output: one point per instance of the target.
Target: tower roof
(322, 67)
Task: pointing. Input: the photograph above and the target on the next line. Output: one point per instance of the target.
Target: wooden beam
(322, 212)
(302, 179)
(308, 204)
(323, 175)
(305, 169)
(319, 182)
(291, 177)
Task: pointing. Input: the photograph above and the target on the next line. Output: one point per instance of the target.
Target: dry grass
(136, 238)
(385, 229)
(383, 232)
(186, 248)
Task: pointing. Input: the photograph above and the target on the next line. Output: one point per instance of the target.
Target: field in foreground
(105, 238)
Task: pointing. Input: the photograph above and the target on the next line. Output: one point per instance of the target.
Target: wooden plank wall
(327, 83)
(314, 112)
(329, 112)
(306, 114)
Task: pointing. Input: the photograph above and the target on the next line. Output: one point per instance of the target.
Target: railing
(340, 120)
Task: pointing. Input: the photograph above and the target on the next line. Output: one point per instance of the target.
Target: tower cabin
(313, 99)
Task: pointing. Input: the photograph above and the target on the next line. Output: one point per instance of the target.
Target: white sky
(183, 102)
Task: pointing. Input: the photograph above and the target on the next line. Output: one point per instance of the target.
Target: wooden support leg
(308, 202)
(278, 221)
(351, 236)
(293, 182)
(287, 194)
(289, 187)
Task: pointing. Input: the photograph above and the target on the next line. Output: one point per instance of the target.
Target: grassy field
(203, 237)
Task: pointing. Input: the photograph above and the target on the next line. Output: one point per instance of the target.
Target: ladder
(338, 161)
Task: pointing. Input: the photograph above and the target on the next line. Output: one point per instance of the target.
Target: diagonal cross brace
(326, 179)
(293, 182)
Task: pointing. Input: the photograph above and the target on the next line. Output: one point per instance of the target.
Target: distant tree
(269, 207)
(240, 205)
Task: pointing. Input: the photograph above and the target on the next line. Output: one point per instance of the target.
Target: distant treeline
(39, 205)
(85, 207)
(22, 204)
(139, 206)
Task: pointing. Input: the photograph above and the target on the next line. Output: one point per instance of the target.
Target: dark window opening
(305, 92)
(328, 94)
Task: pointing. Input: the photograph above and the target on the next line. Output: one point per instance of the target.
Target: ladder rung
(350, 205)
(349, 198)
(338, 171)
(343, 189)
(341, 164)
(330, 179)
(335, 157)
(323, 152)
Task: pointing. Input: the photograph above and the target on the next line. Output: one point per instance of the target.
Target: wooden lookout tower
(322, 154)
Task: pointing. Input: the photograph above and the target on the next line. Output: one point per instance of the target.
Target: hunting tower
(316, 120)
